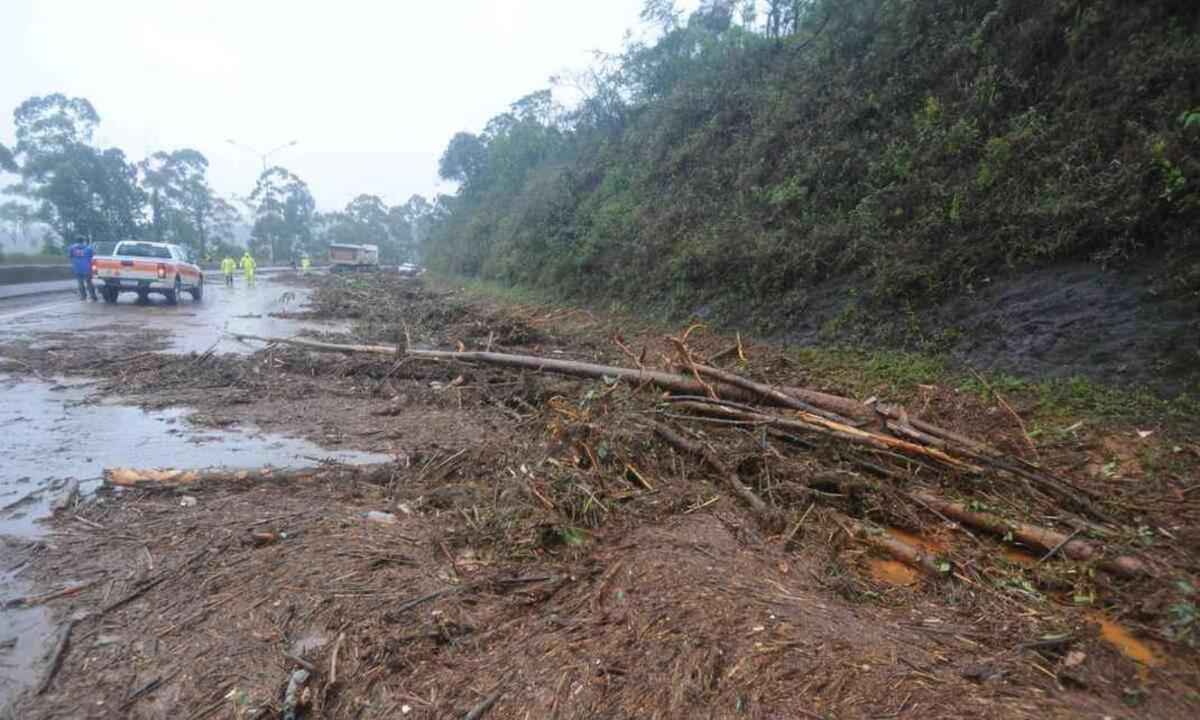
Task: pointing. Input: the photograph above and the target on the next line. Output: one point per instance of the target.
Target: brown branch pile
(708, 392)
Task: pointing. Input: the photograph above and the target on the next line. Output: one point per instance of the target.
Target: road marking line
(39, 308)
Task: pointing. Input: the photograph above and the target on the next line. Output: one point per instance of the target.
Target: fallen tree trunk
(158, 479)
(819, 412)
(633, 376)
(847, 407)
(932, 441)
(900, 416)
(813, 423)
(770, 394)
(738, 388)
(897, 548)
(1035, 536)
(322, 346)
(1070, 495)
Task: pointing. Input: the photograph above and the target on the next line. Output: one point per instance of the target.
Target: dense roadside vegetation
(889, 155)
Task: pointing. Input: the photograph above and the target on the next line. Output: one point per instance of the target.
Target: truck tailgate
(126, 268)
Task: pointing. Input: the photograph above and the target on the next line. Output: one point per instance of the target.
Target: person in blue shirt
(81, 263)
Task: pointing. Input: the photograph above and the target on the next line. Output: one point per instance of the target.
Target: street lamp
(262, 155)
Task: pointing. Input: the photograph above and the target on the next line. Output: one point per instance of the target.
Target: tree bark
(813, 423)
(898, 549)
(1035, 536)
(165, 478)
(789, 399)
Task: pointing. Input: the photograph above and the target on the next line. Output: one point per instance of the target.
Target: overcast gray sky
(371, 89)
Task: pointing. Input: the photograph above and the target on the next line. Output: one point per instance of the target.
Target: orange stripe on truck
(146, 267)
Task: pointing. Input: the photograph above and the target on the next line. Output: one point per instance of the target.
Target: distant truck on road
(145, 268)
(353, 258)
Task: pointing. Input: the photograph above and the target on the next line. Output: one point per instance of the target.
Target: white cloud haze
(371, 89)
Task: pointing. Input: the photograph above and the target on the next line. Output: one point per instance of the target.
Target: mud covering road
(520, 544)
(56, 433)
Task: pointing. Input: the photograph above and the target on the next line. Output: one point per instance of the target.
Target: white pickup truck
(148, 267)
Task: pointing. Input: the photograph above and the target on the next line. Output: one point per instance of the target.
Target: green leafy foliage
(741, 163)
(79, 190)
(181, 201)
(283, 214)
(8, 163)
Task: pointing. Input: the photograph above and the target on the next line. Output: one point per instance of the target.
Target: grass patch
(898, 375)
(892, 373)
(479, 288)
(1082, 398)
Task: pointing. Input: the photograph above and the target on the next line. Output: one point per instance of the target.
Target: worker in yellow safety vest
(248, 266)
(305, 263)
(228, 265)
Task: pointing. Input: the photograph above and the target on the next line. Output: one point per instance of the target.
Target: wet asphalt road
(193, 326)
(50, 433)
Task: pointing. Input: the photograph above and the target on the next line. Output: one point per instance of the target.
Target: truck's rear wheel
(172, 295)
(110, 294)
(198, 291)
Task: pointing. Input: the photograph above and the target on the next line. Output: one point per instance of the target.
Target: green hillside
(857, 167)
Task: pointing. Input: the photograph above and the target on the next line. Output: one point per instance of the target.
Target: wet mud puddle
(186, 327)
(50, 437)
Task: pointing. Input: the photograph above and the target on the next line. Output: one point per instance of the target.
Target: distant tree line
(81, 191)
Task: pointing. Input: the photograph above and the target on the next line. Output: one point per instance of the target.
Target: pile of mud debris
(546, 546)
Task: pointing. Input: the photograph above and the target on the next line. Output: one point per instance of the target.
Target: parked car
(344, 257)
(410, 270)
(145, 268)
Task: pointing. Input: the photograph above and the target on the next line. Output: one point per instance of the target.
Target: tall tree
(220, 226)
(661, 13)
(369, 215)
(283, 214)
(192, 195)
(79, 190)
(409, 225)
(464, 159)
(8, 163)
(179, 196)
(48, 126)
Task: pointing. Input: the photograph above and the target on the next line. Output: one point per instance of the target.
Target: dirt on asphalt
(533, 550)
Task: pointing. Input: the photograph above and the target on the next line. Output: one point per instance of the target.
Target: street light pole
(262, 155)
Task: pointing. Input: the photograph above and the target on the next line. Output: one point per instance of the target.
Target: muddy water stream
(50, 435)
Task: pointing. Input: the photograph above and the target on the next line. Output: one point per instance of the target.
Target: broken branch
(686, 446)
(1043, 538)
